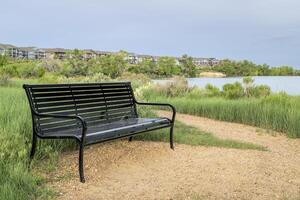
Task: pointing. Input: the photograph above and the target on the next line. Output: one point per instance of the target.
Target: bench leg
(33, 147)
(81, 171)
(130, 139)
(171, 138)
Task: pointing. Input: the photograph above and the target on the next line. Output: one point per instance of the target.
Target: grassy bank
(276, 112)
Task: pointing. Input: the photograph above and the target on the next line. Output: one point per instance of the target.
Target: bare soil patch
(151, 170)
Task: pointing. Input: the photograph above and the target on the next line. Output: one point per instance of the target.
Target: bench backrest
(95, 102)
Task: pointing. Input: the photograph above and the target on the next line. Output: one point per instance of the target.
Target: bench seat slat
(98, 114)
(100, 132)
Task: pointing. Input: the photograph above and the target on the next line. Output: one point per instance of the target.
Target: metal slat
(102, 113)
(75, 93)
(83, 106)
(78, 102)
(88, 110)
(58, 124)
(53, 120)
(107, 84)
(69, 98)
(57, 129)
(71, 125)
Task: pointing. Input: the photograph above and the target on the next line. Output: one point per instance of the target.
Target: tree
(188, 68)
(146, 66)
(112, 65)
(167, 66)
(74, 64)
(282, 71)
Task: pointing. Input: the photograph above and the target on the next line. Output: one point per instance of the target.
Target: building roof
(6, 46)
(27, 48)
(55, 50)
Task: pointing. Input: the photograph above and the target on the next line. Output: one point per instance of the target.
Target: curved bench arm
(76, 117)
(160, 104)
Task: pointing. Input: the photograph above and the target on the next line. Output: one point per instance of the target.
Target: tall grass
(16, 181)
(276, 112)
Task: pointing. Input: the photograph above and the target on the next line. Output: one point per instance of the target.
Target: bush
(3, 60)
(233, 91)
(52, 65)
(178, 86)
(10, 70)
(30, 70)
(111, 65)
(195, 93)
(259, 91)
(4, 79)
(212, 91)
(99, 77)
(137, 80)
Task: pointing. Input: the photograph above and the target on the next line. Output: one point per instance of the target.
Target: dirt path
(150, 170)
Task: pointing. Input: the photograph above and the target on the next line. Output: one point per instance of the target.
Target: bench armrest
(76, 117)
(160, 104)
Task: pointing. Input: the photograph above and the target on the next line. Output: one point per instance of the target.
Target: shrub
(10, 70)
(52, 65)
(50, 78)
(136, 80)
(110, 65)
(259, 91)
(178, 86)
(30, 70)
(212, 91)
(4, 79)
(195, 93)
(99, 77)
(3, 60)
(233, 91)
(74, 64)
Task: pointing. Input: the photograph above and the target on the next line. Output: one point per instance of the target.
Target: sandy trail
(150, 170)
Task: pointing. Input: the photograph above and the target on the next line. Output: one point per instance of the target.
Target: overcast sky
(265, 31)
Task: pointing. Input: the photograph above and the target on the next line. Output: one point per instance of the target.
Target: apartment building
(205, 62)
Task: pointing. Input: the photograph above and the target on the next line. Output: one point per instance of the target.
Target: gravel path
(150, 170)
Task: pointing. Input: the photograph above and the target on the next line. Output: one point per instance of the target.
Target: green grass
(185, 134)
(276, 112)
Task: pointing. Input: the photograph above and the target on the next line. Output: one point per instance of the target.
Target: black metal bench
(90, 113)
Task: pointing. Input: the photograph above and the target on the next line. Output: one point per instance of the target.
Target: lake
(288, 84)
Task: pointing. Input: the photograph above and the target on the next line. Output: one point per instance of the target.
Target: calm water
(288, 84)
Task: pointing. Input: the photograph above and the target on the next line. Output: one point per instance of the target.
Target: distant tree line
(247, 68)
(114, 65)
